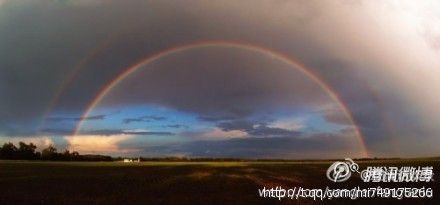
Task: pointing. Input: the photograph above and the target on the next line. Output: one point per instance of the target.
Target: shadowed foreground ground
(24, 182)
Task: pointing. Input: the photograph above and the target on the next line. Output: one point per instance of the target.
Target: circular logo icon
(339, 172)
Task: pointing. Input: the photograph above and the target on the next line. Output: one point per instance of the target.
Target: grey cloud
(57, 131)
(111, 37)
(42, 43)
(145, 118)
(60, 119)
(147, 133)
(104, 132)
(336, 116)
(263, 130)
(216, 118)
(221, 84)
(177, 126)
(257, 129)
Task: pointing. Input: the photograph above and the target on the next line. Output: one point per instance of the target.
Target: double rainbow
(294, 63)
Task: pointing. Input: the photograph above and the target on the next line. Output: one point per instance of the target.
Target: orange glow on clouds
(97, 143)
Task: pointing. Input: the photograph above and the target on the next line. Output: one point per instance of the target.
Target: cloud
(88, 144)
(216, 118)
(335, 115)
(57, 131)
(148, 133)
(214, 134)
(257, 129)
(176, 126)
(288, 124)
(145, 118)
(370, 67)
(106, 132)
(193, 88)
(60, 119)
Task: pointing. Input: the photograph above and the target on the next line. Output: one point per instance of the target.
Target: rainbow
(229, 44)
(72, 76)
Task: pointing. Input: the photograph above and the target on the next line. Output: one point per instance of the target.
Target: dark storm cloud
(219, 84)
(42, 42)
(105, 37)
(367, 106)
(60, 119)
(336, 116)
(145, 118)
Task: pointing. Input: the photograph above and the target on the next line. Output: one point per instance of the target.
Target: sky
(244, 79)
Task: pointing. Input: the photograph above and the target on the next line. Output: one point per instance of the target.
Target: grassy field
(23, 182)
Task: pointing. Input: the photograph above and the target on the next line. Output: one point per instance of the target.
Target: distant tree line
(28, 152)
(188, 159)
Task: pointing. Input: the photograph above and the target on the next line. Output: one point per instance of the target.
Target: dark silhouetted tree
(49, 153)
(8, 151)
(66, 155)
(26, 151)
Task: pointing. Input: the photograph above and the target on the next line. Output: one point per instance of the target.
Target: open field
(26, 182)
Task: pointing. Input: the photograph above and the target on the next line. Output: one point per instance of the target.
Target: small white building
(131, 160)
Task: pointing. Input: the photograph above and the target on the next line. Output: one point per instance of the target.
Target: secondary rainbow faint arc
(231, 44)
(72, 76)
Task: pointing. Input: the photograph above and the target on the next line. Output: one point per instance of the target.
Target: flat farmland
(35, 182)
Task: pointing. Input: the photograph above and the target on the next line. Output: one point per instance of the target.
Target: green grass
(23, 182)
